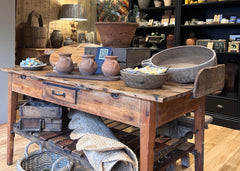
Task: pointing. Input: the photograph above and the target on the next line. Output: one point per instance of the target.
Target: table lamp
(73, 12)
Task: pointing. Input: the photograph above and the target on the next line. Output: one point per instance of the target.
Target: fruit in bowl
(32, 64)
(144, 78)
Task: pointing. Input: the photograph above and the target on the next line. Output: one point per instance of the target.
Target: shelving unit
(229, 98)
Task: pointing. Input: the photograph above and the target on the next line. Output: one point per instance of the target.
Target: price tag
(210, 45)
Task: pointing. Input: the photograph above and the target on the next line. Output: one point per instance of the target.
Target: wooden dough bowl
(184, 62)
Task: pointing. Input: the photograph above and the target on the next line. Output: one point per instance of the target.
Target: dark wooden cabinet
(224, 107)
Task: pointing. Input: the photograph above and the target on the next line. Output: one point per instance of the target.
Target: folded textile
(103, 150)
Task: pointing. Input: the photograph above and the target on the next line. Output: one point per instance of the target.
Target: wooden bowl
(143, 81)
(184, 62)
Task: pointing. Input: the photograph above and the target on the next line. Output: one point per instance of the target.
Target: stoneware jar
(56, 39)
(144, 3)
(88, 66)
(68, 41)
(110, 66)
(64, 65)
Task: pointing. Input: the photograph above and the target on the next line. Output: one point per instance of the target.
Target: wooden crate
(127, 57)
(37, 115)
(37, 124)
(40, 109)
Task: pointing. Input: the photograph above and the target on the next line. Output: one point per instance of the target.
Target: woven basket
(42, 160)
(184, 62)
(143, 81)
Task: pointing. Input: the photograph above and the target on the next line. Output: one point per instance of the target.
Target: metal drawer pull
(23, 76)
(58, 94)
(220, 106)
(115, 95)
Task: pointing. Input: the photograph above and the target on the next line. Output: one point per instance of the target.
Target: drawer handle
(220, 106)
(115, 95)
(23, 77)
(58, 94)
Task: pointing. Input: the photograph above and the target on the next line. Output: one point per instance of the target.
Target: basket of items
(42, 160)
(144, 78)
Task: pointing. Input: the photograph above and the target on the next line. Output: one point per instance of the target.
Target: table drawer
(109, 105)
(27, 85)
(57, 92)
(228, 107)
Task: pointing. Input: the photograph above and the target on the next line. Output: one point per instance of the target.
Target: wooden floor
(222, 150)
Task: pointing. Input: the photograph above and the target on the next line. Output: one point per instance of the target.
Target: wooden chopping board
(77, 51)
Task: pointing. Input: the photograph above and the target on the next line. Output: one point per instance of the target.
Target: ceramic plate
(34, 68)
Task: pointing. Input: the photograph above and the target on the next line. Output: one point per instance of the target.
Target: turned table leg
(199, 119)
(147, 135)
(12, 101)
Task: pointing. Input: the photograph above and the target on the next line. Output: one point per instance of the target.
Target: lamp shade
(72, 12)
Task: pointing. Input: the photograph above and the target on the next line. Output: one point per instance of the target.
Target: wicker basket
(42, 160)
(184, 62)
(143, 81)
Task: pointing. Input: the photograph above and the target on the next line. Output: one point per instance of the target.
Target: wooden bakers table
(145, 109)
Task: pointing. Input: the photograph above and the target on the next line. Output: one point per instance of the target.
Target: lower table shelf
(167, 150)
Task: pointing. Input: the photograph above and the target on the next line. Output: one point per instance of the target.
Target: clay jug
(144, 3)
(56, 39)
(191, 40)
(88, 66)
(64, 65)
(110, 66)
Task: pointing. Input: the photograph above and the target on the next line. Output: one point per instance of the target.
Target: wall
(7, 51)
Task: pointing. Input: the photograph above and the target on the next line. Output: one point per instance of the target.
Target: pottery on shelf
(68, 41)
(167, 2)
(191, 40)
(64, 65)
(88, 66)
(144, 3)
(157, 3)
(56, 39)
(110, 66)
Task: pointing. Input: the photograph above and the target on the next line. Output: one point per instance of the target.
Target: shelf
(156, 9)
(60, 142)
(228, 53)
(223, 97)
(152, 28)
(217, 4)
(211, 25)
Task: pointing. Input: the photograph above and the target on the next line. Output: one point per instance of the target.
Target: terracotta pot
(56, 39)
(116, 34)
(191, 40)
(170, 40)
(110, 66)
(64, 64)
(88, 66)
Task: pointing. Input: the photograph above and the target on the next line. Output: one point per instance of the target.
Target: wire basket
(42, 160)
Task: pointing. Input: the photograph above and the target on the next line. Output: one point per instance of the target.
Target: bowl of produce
(144, 78)
(32, 64)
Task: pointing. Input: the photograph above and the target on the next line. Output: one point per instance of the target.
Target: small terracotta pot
(110, 66)
(64, 64)
(88, 66)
